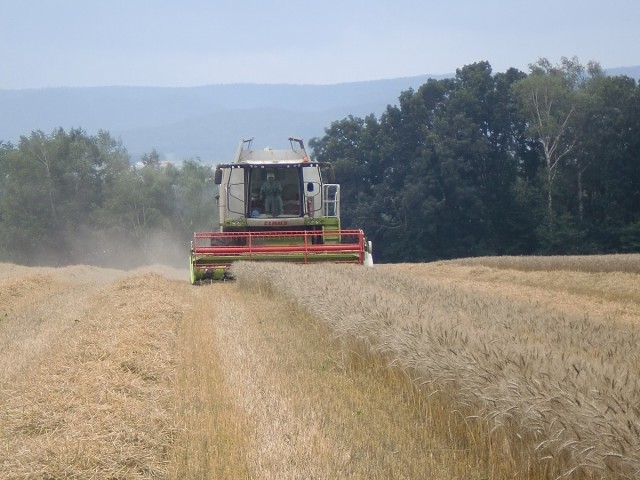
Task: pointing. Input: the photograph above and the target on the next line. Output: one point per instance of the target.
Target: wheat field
(500, 368)
(545, 359)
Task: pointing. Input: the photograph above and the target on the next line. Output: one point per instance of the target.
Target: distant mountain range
(205, 122)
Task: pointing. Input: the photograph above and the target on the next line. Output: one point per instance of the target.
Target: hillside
(205, 122)
(136, 374)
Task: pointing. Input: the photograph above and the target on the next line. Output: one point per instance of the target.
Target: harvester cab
(275, 205)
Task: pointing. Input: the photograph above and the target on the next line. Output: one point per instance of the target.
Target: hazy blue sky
(46, 43)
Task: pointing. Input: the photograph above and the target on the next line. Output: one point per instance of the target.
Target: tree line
(495, 164)
(545, 162)
(70, 197)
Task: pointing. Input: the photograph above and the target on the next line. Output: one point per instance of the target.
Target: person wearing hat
(271, 191)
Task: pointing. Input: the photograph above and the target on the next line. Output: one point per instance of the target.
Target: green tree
(439, 170)
(454, 150)
(151, 159)
(350, 144)
(609, 171)
(29, 203)
(68, 197)
(52, 186)
(547, 96)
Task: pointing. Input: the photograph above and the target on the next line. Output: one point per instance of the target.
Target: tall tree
(547, 97)
(351, 145)
(608, 149)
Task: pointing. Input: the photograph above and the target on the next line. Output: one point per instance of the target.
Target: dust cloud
(115, 249)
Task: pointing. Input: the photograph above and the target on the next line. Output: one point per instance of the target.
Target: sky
(73, 43)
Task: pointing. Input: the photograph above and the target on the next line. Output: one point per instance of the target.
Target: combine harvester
(275, 206)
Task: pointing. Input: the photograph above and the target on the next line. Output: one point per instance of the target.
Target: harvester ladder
(331, 209)
(331, 200)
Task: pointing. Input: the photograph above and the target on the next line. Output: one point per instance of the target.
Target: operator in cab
(271, 191)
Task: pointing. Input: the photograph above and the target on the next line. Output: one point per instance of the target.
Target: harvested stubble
(560, 388)
(89, 395)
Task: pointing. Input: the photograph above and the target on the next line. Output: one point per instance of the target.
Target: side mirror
(310, 187)
(217, 177)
